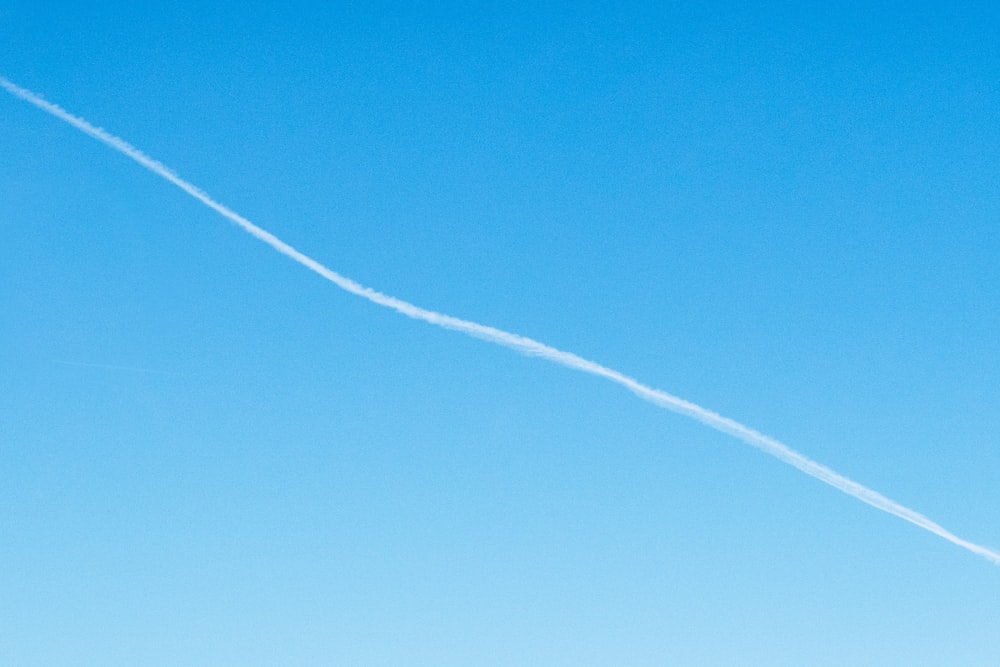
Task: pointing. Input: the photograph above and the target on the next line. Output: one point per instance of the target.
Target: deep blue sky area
(787, 214)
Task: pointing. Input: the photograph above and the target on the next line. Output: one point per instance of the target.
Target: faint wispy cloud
(515, 342)
(113, 367)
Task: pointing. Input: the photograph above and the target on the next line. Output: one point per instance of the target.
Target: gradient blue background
(788, 215)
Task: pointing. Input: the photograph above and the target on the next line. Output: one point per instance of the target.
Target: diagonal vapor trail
(515, 342)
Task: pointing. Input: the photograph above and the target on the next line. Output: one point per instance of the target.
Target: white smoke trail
(518, 343)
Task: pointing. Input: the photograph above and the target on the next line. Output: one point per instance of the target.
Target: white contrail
(521, 344)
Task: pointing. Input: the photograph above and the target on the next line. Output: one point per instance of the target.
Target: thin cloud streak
(515, 342)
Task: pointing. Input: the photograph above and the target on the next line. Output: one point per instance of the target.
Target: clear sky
(210, 456)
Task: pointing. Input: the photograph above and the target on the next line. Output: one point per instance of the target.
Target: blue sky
(789, 216)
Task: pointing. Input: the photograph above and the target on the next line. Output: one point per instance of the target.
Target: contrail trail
(515, 342)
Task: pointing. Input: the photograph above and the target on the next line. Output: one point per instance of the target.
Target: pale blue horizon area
(209, 456)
